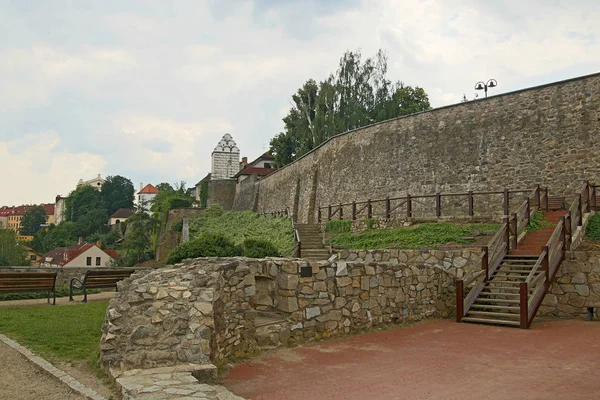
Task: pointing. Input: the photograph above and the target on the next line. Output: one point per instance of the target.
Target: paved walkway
(102, 296)
(434, 360)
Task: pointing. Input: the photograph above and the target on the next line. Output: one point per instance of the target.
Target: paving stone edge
(62, 376)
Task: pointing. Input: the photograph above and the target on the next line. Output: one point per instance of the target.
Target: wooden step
(493, 313)
(499, 293)
(492, 307)
(491, 321)
(509, 282)
(496, 301)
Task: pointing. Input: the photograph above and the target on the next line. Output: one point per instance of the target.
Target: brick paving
(434, 360)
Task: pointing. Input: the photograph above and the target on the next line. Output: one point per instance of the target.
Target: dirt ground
(22, 380)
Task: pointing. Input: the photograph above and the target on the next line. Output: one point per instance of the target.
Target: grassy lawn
(66, 333)
(422, 235)
(593, 229)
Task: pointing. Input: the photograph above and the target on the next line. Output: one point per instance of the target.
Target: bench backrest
(27, 281)
(105, 278)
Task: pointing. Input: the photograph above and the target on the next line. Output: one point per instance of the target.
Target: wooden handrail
(538, 263)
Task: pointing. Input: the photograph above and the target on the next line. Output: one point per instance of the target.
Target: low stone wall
(377, 222)
(213, 309)
(576, 285)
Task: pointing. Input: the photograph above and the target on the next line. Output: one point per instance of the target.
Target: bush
(370, 223)
(339, 226)
(258, 248)
(206, 245)
(593, 229)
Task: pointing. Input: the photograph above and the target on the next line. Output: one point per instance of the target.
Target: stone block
(341, 268)
(312, 312)
(582, 290)
(287, 281)
(344, 281)
(578, 278)
(320, 286)
(287, 304)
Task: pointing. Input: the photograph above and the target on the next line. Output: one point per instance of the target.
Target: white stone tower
(225, 159)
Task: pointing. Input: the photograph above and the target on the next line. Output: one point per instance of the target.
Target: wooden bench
(590, 312)
(98, 279)
(13, 282)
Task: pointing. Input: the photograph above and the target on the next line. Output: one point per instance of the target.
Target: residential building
(33, 256)
(81, 254)
(60, 206)
(144, 196)
(260, 167)
(10, 217)
(119, 216)
(96, 183)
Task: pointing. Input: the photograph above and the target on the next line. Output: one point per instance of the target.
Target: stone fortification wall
(246, 194)
(211, 309)
(221, 192)
(576, 285)
(545, 135)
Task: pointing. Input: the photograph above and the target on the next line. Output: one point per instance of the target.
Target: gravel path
(21, 380)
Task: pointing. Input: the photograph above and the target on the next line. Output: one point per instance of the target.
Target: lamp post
(484, 86)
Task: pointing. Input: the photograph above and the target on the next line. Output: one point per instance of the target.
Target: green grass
(538, 220)
(241, 225)
(422, 235)
(66, 333)
(593, 228)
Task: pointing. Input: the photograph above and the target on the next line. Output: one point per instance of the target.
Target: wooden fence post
(546, 205)
(485, 261)
(460, 301)
(329, 212)
(523, 293)
(546, 262)
(369, 209)
(528, 211)
(341, 212)
(319, 215)
(438, 205)
(387, 208)
(505, 203)
(537, 197)
(470, 202)
(507, 234)
(568, 230)
(586, 194)
(514, 229)
(408, 206)
(354, 211)
(579, 212)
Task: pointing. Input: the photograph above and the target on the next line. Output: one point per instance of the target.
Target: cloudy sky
(145, 89)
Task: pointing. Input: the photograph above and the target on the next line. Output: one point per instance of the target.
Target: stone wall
(246, 194)
(545, 135)
(576, 285)
(214, 309)
(169, 237)
(221, 192)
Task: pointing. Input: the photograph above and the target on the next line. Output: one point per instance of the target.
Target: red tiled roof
(149, 189)
(255, 171)
(20, 210)
(63, 255)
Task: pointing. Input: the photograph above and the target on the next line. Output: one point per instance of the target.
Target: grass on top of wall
(65, 333)
(593, 228)
(241, 225)
(422, 235)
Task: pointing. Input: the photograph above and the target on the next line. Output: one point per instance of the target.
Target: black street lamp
(484, 86)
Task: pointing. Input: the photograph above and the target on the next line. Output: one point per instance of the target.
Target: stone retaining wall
(214, 309)
(576, 285)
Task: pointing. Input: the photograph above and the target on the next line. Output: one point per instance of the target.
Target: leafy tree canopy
(358, 94)
(32, 220)
(117, 192)
(12, 253)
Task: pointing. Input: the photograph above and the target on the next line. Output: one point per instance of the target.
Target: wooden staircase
(516, 275)
(311, 242)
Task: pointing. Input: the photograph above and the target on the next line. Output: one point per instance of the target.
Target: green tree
(117, 192)
(358, 94)
(138, 240)
(12, 253)
(61, 235)
(32, 220)
(87, 209)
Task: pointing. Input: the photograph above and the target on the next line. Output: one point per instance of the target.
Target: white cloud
(36, 169)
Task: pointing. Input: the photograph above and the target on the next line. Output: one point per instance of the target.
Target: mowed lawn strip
(66, 333)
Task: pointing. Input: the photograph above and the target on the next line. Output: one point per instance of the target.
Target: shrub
(370, 223)
(537, 221)
(339, 226)
(258, 248)
(178, 225)
(206, 245)
(593, 229)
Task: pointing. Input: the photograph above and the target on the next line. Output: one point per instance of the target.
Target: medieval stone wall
(246, 193)
(221, 192)
(548, 135)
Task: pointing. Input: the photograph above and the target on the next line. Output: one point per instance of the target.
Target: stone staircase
(311, 242)
(498, 302)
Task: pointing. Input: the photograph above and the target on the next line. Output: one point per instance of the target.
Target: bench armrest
(80, 283)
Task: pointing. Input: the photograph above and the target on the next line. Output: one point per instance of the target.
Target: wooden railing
(520, 219)
(280, 213)
(533, 290)
(404, 205)
(583, 203)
